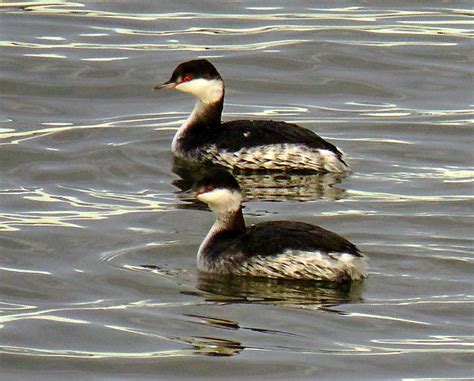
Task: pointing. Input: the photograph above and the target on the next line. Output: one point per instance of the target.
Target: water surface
(88, 195)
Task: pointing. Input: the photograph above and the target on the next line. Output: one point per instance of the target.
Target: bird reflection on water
(229, 289)
(213, 346)
(301, 294)
(269, 186)
(220, 289)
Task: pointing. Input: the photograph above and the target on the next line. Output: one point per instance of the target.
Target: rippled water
(98, 276)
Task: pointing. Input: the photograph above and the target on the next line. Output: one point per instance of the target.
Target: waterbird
(247, 145)
(276, 249)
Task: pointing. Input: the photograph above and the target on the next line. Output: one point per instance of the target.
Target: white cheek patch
(222, 199)
(208, 91)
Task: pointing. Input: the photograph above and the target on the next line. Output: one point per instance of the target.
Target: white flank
(277, 157)
(294, 264)
(298, 264)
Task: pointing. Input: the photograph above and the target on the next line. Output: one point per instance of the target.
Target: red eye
(186, 78)
(204, 189)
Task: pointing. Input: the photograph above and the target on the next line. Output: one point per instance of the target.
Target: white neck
(226, 206)
(224, 218)
(216, 228)
(209, 93)
(199, 109)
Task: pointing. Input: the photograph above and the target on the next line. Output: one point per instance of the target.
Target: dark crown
(196, 69)
(216, 178)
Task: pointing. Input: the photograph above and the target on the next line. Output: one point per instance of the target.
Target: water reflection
(303, 294)
(393, 91)
(402, 21)
(212, 346)
(79, 207)
(268, 186)
(369, 27)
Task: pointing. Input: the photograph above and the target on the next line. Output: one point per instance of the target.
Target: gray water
(97, 273)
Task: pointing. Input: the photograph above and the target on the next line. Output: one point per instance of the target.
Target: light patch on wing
(277, 157)
(292, 264)
(206, 90)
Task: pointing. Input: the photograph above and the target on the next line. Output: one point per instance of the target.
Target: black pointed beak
(167, 85)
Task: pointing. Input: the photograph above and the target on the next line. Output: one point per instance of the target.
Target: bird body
(277, 249)
(243, 144)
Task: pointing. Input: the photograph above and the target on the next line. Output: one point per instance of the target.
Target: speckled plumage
(243, 144)
(283, 249)
(275, 157)
(292, 264)
(277, 249)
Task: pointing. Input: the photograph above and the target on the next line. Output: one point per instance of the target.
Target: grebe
(243, 144)
(279, 249)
